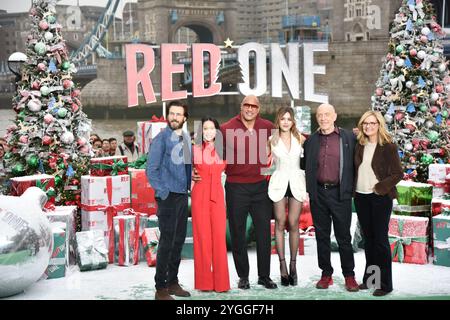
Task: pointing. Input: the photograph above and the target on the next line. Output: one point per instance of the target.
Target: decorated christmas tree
(413, 89)
(50, 133)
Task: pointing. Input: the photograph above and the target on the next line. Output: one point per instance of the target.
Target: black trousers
(374, 213)
(244, 198)
(172, 219)
(327, 209)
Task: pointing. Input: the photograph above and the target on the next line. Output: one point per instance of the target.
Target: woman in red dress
(208, 211)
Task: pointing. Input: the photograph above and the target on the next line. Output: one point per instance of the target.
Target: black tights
(293, 216)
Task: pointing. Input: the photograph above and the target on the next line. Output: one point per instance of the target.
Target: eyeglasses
(250, 106)
(371, 124)
(176, 114)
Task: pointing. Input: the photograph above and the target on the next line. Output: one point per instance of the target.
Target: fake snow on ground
(137, 282)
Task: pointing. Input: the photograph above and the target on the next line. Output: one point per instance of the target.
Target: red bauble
(75, 182)
(414, 99)
(399, 116)
(35, 85)
(67, 84)
(439, 88)
(412, 159)
(411, 127)
(434, 109)
(75, 107)
(46, 140)
(379, 91)
(76, 93)
(413, 52)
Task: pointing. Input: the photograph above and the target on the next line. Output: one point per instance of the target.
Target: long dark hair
(218, 141)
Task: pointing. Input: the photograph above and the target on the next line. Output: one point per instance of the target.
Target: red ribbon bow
(156, 119)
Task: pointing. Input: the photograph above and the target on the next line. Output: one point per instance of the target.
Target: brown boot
(163, 294)
(178, 291)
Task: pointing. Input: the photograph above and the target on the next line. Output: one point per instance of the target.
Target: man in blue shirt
(169, 173)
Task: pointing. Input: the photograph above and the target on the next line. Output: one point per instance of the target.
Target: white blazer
(287, 170)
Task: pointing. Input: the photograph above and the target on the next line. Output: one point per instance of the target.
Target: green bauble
(62, 112)
(399, 48)
(21, 116)
(33, 161)
(40, 48)
(419, 22)
(432, 135)
(51, 19)
(18, 170)
(7, 156)
(45, 90)
(58, 180)
(61, 166)
(427, 159)
(423, 107)
(65, 65)
(444, 114)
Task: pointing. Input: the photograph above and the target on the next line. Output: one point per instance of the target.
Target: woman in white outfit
(287, 186)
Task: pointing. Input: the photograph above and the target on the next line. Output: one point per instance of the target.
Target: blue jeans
(172, 219)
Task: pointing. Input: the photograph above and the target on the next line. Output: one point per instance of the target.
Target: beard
(175, 125)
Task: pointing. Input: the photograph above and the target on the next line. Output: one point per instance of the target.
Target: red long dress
(209, 222)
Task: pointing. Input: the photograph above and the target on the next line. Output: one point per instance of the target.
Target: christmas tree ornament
(425, 31)
(423, 107)
(34, 105)
(48, 118)
(41, 66)
(429, 124)
(61, 166)
(21, 116)
(399, 116)
(65, 65)
(423, 39)
(58, 180)
(442, 67)
(432, 135)
(46, 140)
(33, 161)
(67, 137)
(399, 48)
(427, 159)
(35, 85)
(23, 139)
(18, 170)
(43, 25)
(51, 19)
(434, 96)
(409, 146)
(45, 90)
(26, 253)
(40, 48)
(413, 52)
(400, 63)
(409, 84)
(379, 91)
(444, 113)
(434, 109)
(388, 118)
(75, 107)
(48, 36)
(62, 112)
(67, 84)
(439, 88)
(421, 54)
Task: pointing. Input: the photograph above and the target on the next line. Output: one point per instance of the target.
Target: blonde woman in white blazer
(287, 186)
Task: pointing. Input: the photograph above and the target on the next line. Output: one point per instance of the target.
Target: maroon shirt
(246, 151)
(329, 160)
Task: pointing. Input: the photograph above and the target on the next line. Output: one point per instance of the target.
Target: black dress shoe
(267, 282)
(243, 284)
(285, 281)
(363, 286)
(380, 293)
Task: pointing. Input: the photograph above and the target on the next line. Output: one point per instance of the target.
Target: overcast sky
(25, 5)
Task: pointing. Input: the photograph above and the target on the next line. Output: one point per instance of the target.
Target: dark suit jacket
(310, 162)
(386, 165)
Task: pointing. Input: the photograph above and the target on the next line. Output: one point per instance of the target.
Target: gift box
(109, 166)
(414, 199)
(142, 194)
(438, 172)
(438, 188)
(187, 252)
(103, 198)
(57, 264)
(147, 130)
(150, 239)
(438, 205)
(92, 252)
(126, 253)
(408, 237)
(43, 181)
(441, 236)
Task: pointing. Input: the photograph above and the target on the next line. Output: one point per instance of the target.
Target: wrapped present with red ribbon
(141, 222)
(103, 198)
(438, 205)
(125, 237)
(43, 181)
(142, 193)
(437, 172)
(147, 130)
(408, 237)
(150, 240)
(109, 166)
(439, 188)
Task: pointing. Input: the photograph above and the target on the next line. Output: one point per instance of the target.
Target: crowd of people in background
(109, 147)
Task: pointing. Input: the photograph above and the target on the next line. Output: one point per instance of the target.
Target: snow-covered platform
(137, 282)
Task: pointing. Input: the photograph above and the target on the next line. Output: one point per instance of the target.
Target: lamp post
(15, 62)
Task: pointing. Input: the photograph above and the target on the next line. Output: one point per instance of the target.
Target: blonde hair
(383, 135)
(294, 131)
